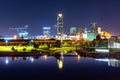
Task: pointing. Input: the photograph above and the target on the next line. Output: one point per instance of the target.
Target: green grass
(29, 48)
(18, 48)
(64, 49)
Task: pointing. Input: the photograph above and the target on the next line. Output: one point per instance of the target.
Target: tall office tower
(94, 27)
(60, 24)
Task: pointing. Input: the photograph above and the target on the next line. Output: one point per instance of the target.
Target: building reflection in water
(14, 58)
(59, 61)
(111, 62)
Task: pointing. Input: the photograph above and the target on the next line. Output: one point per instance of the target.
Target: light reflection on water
(111, 62)
(78, 57)
(6, 60)
(59, 67)
(60, 63)
(59, 60)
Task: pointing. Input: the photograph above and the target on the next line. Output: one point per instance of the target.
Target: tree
(35, 45)
(98, 37)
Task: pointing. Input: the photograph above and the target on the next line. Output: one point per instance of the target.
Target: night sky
(40, 13)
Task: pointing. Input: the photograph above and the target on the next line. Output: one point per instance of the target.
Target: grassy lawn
(18, 48)
(29, 48)
(64, 49)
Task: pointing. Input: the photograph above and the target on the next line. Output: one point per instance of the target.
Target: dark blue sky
(39, 13)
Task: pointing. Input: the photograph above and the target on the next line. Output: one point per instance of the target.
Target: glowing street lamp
(6, 42)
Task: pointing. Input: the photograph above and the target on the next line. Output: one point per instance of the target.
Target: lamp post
(6, 42)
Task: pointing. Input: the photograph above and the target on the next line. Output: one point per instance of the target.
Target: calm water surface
(55, 68)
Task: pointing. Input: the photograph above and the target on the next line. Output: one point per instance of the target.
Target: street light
(6, 42)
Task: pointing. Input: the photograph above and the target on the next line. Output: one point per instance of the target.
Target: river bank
(115, 55)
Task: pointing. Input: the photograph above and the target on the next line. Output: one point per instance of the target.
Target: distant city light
(46, 27)
(101, 50)
(6, 41)
(15, 36)
(8, 38)
(31, 41)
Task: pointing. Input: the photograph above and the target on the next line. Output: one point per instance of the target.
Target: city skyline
(43, 13)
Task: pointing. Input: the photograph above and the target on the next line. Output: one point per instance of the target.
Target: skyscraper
(59, 24)
(94, 27)
(73, 30)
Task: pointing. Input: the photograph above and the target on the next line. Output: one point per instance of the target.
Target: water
(55, 68)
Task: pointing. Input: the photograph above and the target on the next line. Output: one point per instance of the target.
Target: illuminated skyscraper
(99, 30)
(59, 24)
(46, 31)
